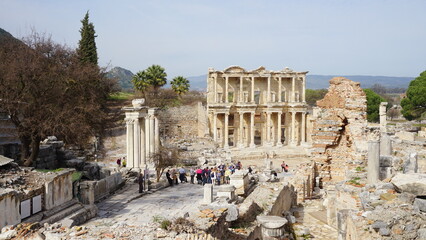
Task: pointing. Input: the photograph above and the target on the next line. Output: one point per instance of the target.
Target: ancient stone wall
(338, 134)
(9, 207)
(187, 121)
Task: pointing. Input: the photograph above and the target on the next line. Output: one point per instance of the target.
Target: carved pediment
(260, 69)
(234, 69)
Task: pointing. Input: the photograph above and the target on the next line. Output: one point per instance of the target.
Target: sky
(186, 37)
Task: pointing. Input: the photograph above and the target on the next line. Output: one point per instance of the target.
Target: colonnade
(142, 136)
(271, 129)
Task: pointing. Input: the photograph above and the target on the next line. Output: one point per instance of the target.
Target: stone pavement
(127, 205)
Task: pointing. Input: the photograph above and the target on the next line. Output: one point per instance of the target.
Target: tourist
(119, 162)
(124, 162)
(218, 176)
(286, 168)
(141, 181)
(192, 174)
(174, 177)
(232, 168)
(169, 178)
(199, 176)
(182, 175)
(283, 167)
(249, 169)
(227, 176)
(239, 165)
(213, 176)
(209, 176)
(204, 175)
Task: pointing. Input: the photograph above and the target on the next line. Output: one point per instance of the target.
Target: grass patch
(355, 182)
(419, 125)
(164, 223)
(49, 170)
(76, 176)
(121, 96)
(360, 169)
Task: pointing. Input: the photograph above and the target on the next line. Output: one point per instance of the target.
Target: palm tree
(156, 76)
(180, 85)
(141, 81)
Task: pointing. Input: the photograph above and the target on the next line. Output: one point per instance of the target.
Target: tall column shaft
(252, 89)
(268, 98)
(240, 132)
(225, 135)
(215, 89)
(215, 127)
(373, 164)
(226, 89)
(137, 144)
(157, 135)
(293, 90)
(279, 143)
(252, 129)
(129, 141)
(268, 127)
(241, 90)
(303, 132)
(293, 128)
(147, 137)
(151, 134)
(143, 142)
(279, 90)
(304, 89)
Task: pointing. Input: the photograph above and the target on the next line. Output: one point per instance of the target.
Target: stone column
(373, 161)
(273, 227)
(382, 113)
(279, 143)
(240, 131)
(225, 135)
(252, 89)
(303, 132)
(157, 135)
(241, 90)
(214, 127)
(143, 143)
(147, 137)
(252, 129)
(268, 128)
(279, 90)
(215, 88)
(304, 89)
(268, 98)
(137, 144)
(151, 134)
(385, 145)
(208, 194)
(293, 90)
(226, 89)
(129, 141)
(293, 128)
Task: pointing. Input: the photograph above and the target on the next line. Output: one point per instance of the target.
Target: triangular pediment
(234, 69)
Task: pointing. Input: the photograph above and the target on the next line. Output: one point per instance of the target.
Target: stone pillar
(268, 97)
(215, 88)
(129, 141)
(208, 193)
(252, 89)
(373, 161)
(304, 89)
(279, 143)
(137, 144)
(226, 89)
(147, 137)
(157, 135)
(241, 90)
(268, 128)
(293, 90)
(214, 127)
(240, 131)
(293, 128)
(303, 132)
(382, 113)
(279, 90)
(252, 129)
(385, 145)
(273, 227)
(225, 135)
(143, 142)
(151, 134)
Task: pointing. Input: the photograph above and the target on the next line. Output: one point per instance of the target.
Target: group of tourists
(121, 163)
(220, 174)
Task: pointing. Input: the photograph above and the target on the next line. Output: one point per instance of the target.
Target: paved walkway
(127, 205)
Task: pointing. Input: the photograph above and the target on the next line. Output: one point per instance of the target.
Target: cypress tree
(87, 46)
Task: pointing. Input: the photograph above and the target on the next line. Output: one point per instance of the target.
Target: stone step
(63, 214)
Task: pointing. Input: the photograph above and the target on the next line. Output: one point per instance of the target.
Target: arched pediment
(260, 69)
(234, 69)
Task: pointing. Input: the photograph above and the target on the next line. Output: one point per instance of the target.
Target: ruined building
(256, 108)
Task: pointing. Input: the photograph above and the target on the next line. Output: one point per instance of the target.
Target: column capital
(129, 120)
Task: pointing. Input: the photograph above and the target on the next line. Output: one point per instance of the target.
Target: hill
(123, 76)
(4, 36)
(321, 81)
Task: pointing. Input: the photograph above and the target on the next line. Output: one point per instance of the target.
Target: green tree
(141, 81)
(87, 50)
(373, 105)
(157, 77)
(180, 85)
(414, 104)
(312, 95)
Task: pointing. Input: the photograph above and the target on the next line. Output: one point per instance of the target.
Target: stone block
(420, 203)
(208, 194)
(414, 183)
(410, 165)
(385, 172)
(386, 161)
(227, 191)
(407, 136)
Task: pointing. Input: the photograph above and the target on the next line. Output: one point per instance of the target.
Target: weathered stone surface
(421, 204)
(412, 183)
(410, 165)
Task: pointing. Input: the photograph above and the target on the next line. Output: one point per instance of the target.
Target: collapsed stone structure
(256, 108)
(339, 133)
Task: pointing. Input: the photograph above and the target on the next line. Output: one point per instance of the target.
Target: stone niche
(339, 130)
